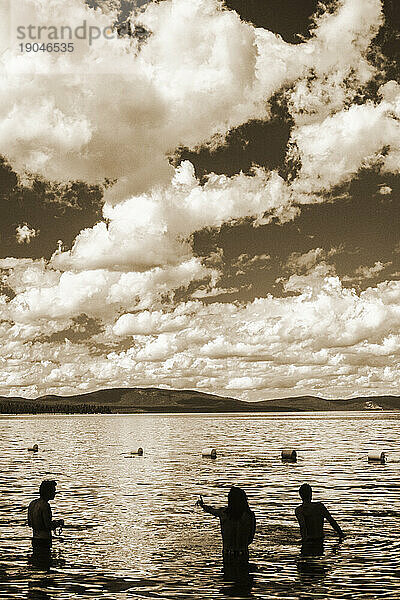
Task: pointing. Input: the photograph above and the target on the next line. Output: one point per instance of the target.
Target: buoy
(139, 452)
(35, 448)
(289, 455)
(377, 456)
(209, 453)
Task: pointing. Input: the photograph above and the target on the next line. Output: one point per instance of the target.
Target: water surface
(134, 532)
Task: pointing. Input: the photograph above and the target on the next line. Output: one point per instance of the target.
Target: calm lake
(132, 529)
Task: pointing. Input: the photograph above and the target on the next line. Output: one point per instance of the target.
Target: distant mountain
(151, 400)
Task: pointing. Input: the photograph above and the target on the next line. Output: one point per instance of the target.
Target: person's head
(47, 489)
(237, 502)
(305, 492)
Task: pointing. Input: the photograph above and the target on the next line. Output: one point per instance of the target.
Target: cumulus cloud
(313, 279)
(43, 293)
(117, 109)
(308, 269)
(25, 234)
(333, 151)
(325, 338)
(298, 261)
(385, 190)
(150, 323)
(154, 229)
(245, 383)
(210, 292)
(244, 262)
(339, 66)
(62, 122)
(364, 272)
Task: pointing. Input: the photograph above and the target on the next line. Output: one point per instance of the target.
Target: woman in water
(238, 526)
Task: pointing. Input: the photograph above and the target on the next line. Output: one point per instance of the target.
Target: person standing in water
(311, 516)
(238, 526)
(41, 520)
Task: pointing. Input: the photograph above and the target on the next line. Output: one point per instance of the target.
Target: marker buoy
(138, 452)
(289, 455)
(377, 456)
(209, 453)
(35, 448)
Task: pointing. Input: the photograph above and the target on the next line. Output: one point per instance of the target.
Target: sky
(204, 197)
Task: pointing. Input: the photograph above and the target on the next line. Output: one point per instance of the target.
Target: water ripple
(132, 530)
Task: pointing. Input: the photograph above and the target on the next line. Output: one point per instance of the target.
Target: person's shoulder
(298, 509)
(34, 502)
(41, 503)
(249, 514)
(222, 513)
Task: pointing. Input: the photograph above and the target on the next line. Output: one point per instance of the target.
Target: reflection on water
(132, 530)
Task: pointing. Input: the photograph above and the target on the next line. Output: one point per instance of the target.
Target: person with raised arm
(238, 526)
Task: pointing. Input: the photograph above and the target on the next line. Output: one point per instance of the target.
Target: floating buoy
(377, 456)
(138, 452)
(35, 448)
(209, 453)
(289, 455)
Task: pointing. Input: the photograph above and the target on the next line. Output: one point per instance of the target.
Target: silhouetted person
(41, 521)
(238, 526)
(311, 516)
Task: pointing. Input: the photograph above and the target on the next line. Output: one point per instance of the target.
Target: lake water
(133, 529)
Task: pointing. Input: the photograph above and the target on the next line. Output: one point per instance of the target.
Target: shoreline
(326, 413)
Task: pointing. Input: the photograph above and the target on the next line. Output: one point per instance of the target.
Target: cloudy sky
(207, 200)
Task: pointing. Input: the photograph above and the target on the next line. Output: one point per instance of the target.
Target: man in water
(40, 519)
(311, 516)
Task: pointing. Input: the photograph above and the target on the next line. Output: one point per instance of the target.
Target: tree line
(26, 407)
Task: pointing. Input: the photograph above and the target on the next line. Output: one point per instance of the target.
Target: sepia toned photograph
(199, 299)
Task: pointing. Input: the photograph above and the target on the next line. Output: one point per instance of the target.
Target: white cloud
(154, 229)
(162, 347)
(327, 339)
(24, 274)
(338, 60)
(385, 190)
(134, 290)
(244, 262)
(25, 234)
(63, 120)
(306, 261)
(117, 111)
(364, 272)
(45, 293)
(95, 112)
(316, 278)
(245, 383)
(332, 151)
(150, 323)
(211, 292)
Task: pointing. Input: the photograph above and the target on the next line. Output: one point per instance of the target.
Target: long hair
(237, 503)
